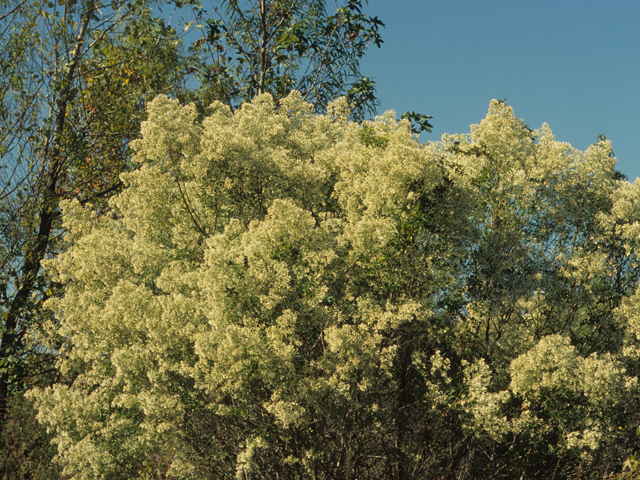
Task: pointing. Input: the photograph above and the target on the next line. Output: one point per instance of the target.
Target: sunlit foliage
(281, 294)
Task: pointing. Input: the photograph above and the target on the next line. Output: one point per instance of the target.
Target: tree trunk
(264, 59)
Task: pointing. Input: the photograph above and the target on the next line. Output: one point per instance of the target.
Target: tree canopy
(285, 294)
(278, 46)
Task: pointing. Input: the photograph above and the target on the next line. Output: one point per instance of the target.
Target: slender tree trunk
(53, 163)
(264, 59)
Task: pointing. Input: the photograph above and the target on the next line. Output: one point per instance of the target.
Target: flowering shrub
(279, 294)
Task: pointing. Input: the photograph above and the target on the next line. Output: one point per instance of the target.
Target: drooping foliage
(281, 294)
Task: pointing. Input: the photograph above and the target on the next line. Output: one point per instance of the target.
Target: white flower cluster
(275, 278)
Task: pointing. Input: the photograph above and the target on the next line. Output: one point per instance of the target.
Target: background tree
(61, 76)
(279, 46)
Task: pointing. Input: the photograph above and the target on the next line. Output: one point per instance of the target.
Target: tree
(272, 280)
(280, 46)
(61, 76)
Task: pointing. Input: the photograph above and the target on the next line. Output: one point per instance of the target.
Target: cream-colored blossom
(286, 292)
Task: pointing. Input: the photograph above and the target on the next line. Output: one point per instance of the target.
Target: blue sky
(572, 64)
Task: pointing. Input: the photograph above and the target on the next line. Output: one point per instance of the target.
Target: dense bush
(279, 294)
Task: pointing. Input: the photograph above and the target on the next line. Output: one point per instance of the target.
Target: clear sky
(574, 64)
